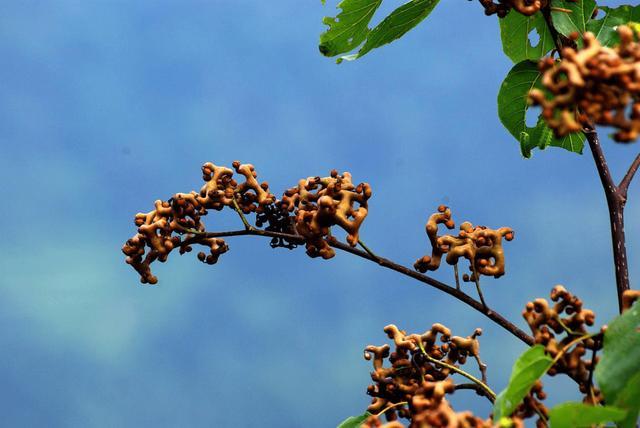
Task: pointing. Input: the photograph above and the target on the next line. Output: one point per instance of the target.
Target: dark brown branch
(546, 13)
(616, 195)
(494, 316)
(615, 203)
(623, 187)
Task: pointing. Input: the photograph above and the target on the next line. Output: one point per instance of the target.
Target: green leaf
(629, 398)
(567, 23)
(354, 421)
(577, 415)
(532, 364)
(512, 110)
(397, 24)
(605, 28)
(350, 28)
(515, 29)
(618, 372)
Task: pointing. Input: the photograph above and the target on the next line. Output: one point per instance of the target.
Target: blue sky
(106, 106)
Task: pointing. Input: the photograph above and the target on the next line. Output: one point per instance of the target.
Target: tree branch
(623, 187)
(452, 291)
(615, 203)
(616, 196)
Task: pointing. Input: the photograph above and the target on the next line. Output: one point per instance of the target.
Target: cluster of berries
(414, 386)
(479, 245)
(555, 325)
(593, 84)
(317, 204)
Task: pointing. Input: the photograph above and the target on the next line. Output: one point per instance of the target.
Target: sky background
(106, 106)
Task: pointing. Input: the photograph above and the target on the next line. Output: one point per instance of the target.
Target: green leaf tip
(605, 27)
(618, 371)
(354, 421)
(528, 368)
(350, 28)
(580, 415)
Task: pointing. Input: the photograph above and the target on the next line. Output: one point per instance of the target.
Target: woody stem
(388, 264)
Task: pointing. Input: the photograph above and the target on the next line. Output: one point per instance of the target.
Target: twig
(455, 272)
(474, 386)
(570, 344)
(189, 230)
(564, 326)
(490, 394)
(476, 279)
(371, 253)
(623, 187)
(489, 313)
(386, 409)
(592, 366)
(247, 226)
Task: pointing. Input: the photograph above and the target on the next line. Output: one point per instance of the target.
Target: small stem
(477, 388)
(483, 369)
(455, 272)
(541, 415)
(564, 326)
(386, 409)
(546, 13)
(592, 366)
(476, 278)
(236, 207)
(560, 9)
(623, 187)
(490, 394)
(371, 253)
(189, 230)
(570, 344)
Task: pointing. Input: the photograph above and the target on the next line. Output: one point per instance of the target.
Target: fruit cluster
(555, 325)
(322, 202)
(182, 213)
(479, 245)
(414, 386)
(594, 84)
(317, 204)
